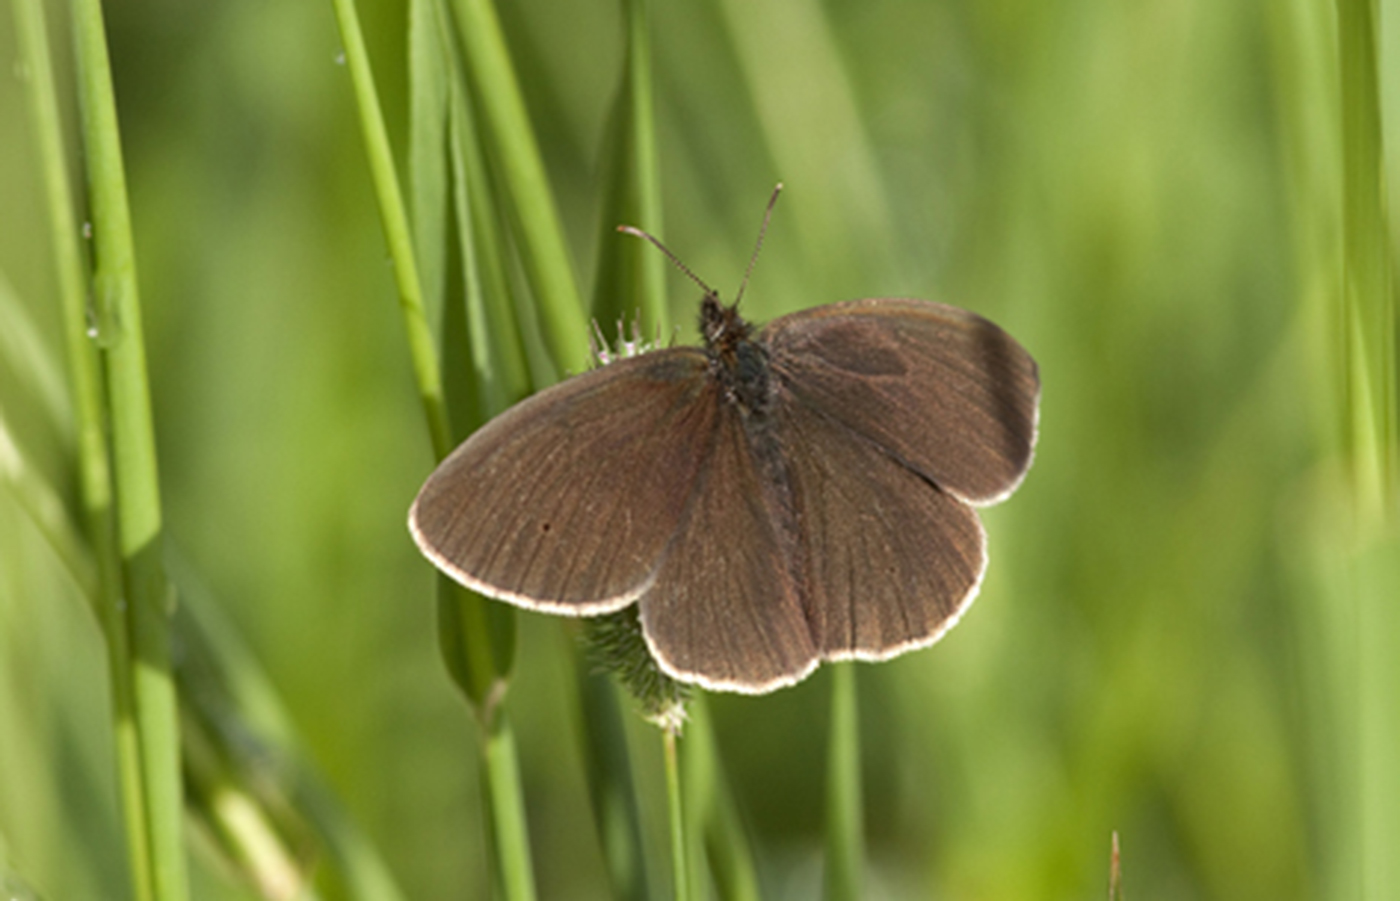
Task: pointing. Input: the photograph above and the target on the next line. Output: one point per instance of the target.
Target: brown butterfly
(781, 496)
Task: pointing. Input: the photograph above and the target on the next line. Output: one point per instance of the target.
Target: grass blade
(395, 222)
(255, 756)
(512, 869)
(515, 157)
(611, 791)
(630, 285)
(495, 346)
(725, 838)
(475, 637)
(427, 159)
(133, 459)
(845, 850)
(1115, 872)
(27, 357)
(1368, 302)
(680, 851)
(46, 510)
(1372, 444)
(94, 471)
(812, 124)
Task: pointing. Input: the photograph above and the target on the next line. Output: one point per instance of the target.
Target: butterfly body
(779, 497)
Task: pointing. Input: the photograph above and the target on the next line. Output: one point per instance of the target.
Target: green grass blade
(485, 374)
(1373, 451)
(481, 336)
(476, 638)
(724, 836)
(611, 789)
(845, 850)
(45, 509)
(394, 219)
(258, 758)
(133, 458)
(630, 282)
(675, 809)
(496, 347)
(1369, 303)
(515, 157)
(242, 828)
(94, 470)
(810, 115)
(427, 160)
(23, 352)
(512, 869)
(1115, 872)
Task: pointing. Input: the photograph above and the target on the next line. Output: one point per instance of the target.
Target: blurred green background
(1144, 194)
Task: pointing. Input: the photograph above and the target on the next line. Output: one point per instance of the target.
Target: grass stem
(501, 776)
(845, 851)
(146, 601)
(680, 871)
(394, 219)
(515, 156)
(94, 470)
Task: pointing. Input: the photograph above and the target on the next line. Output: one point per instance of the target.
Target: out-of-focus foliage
(1144, 194)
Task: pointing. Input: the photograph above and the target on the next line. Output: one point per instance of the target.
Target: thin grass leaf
(629, 285)
(476, 642)
(812, 125)
(1368, 308)
(612, 794)
(13, 886)
(135, 481)
(1115, 872)
(94, 469)
(518, 168)
(24, 354)
(46, 510)
(485, 373)
(845, 845)
(495, 345)
(715, 813)
(427, 158)
(512, 870)
(675, 809)
(239, 716)
(1369, 302)
(238, 824)
(396, 232)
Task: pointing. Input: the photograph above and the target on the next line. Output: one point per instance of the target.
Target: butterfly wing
(725, 610)
(566, 502)
(890, 560)
(944, 391)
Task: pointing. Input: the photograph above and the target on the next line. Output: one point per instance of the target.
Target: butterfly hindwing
(725, 610)
(890, 560)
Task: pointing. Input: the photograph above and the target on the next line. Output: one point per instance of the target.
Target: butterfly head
(721, 326)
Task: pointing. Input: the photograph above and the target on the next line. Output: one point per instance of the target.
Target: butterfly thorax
(736, 360)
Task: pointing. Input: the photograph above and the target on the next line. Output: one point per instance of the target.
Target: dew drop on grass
(103, 325)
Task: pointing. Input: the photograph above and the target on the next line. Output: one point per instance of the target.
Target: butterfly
(780, 496)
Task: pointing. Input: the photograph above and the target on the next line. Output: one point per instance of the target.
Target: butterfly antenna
(637, 232)
(758, 245)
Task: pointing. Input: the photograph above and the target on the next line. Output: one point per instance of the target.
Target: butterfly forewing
(724, 610)
(944, 390)
(890, 559)
(546, 505)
